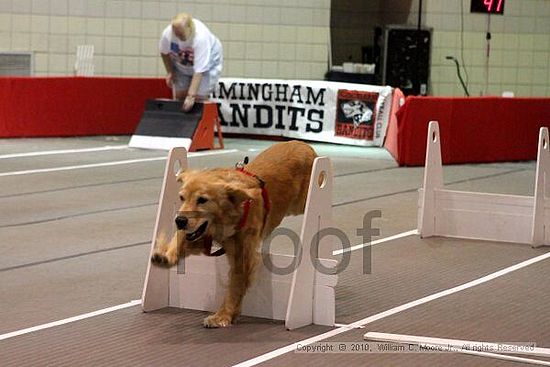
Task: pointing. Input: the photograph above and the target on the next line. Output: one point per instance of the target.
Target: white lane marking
(106, 164)
(502, 357)
(329, 334)
(69, 320)
(341, 329)
(212, 152)
(63, 151)
(82, 166)
(459, 344)
(347, 326)
(372, 243)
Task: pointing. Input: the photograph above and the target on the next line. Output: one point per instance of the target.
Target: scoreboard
(487, 6)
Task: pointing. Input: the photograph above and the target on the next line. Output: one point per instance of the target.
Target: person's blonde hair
(184, 23)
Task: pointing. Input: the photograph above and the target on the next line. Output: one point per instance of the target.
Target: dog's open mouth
(198, 233)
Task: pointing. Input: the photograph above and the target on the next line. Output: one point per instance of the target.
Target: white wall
(267, 39)
(352, 27)
(520, 47)
(283, 39)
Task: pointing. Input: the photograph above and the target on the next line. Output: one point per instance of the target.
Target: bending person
(193, 58)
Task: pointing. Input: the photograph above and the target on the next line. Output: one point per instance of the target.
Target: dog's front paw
(217, 320)
(161, 260)
(165, 254)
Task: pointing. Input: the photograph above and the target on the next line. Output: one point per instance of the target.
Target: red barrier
(473, 130)
(72, 106)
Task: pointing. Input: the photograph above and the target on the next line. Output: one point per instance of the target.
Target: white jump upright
(300, 295)
(309, 304)
(484, 216)
(156, 293)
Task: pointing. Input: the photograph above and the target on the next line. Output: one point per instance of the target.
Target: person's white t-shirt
(198, 55)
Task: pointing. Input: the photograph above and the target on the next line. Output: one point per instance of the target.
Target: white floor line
(100, 312)
(212, 152)
(107, 164)
(63, 151)
(457, 343)
(292, 347)
(69, 320)
(342, 328)
(376, 242)
(82, 166)
(348, 326)
(503, 357)
(475, 348)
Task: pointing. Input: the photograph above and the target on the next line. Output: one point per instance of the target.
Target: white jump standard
(484, 216)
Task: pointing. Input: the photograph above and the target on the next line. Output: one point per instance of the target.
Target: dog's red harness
(247, 203)
(246, 210)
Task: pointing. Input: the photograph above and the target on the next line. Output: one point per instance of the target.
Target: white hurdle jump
(302, 297)
(484, 216)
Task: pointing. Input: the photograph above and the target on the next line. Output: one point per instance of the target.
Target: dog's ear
(182, 175)
(237, 195)
(179, 176)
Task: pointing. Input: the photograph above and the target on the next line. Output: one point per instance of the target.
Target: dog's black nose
(181, 222)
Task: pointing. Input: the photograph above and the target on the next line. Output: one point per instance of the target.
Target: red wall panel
(71, 106)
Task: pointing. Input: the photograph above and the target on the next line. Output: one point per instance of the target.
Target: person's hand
(169, 80)
(188, 103)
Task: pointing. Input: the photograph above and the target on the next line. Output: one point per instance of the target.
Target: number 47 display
(489, 4)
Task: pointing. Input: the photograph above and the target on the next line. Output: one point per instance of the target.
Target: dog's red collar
(246, 211)
(248, 203)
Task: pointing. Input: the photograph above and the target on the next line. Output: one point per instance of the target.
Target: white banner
(341, 113)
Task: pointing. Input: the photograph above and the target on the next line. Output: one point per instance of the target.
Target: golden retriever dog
(237, 208)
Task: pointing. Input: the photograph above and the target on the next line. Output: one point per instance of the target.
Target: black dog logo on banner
(358, 111)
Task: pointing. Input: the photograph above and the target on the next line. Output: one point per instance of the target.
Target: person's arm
(169, 69)
(192, 91)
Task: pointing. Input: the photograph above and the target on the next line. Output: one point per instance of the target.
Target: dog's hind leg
(243, 260)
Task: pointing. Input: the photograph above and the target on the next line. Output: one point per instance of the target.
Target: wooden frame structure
(484, 216)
